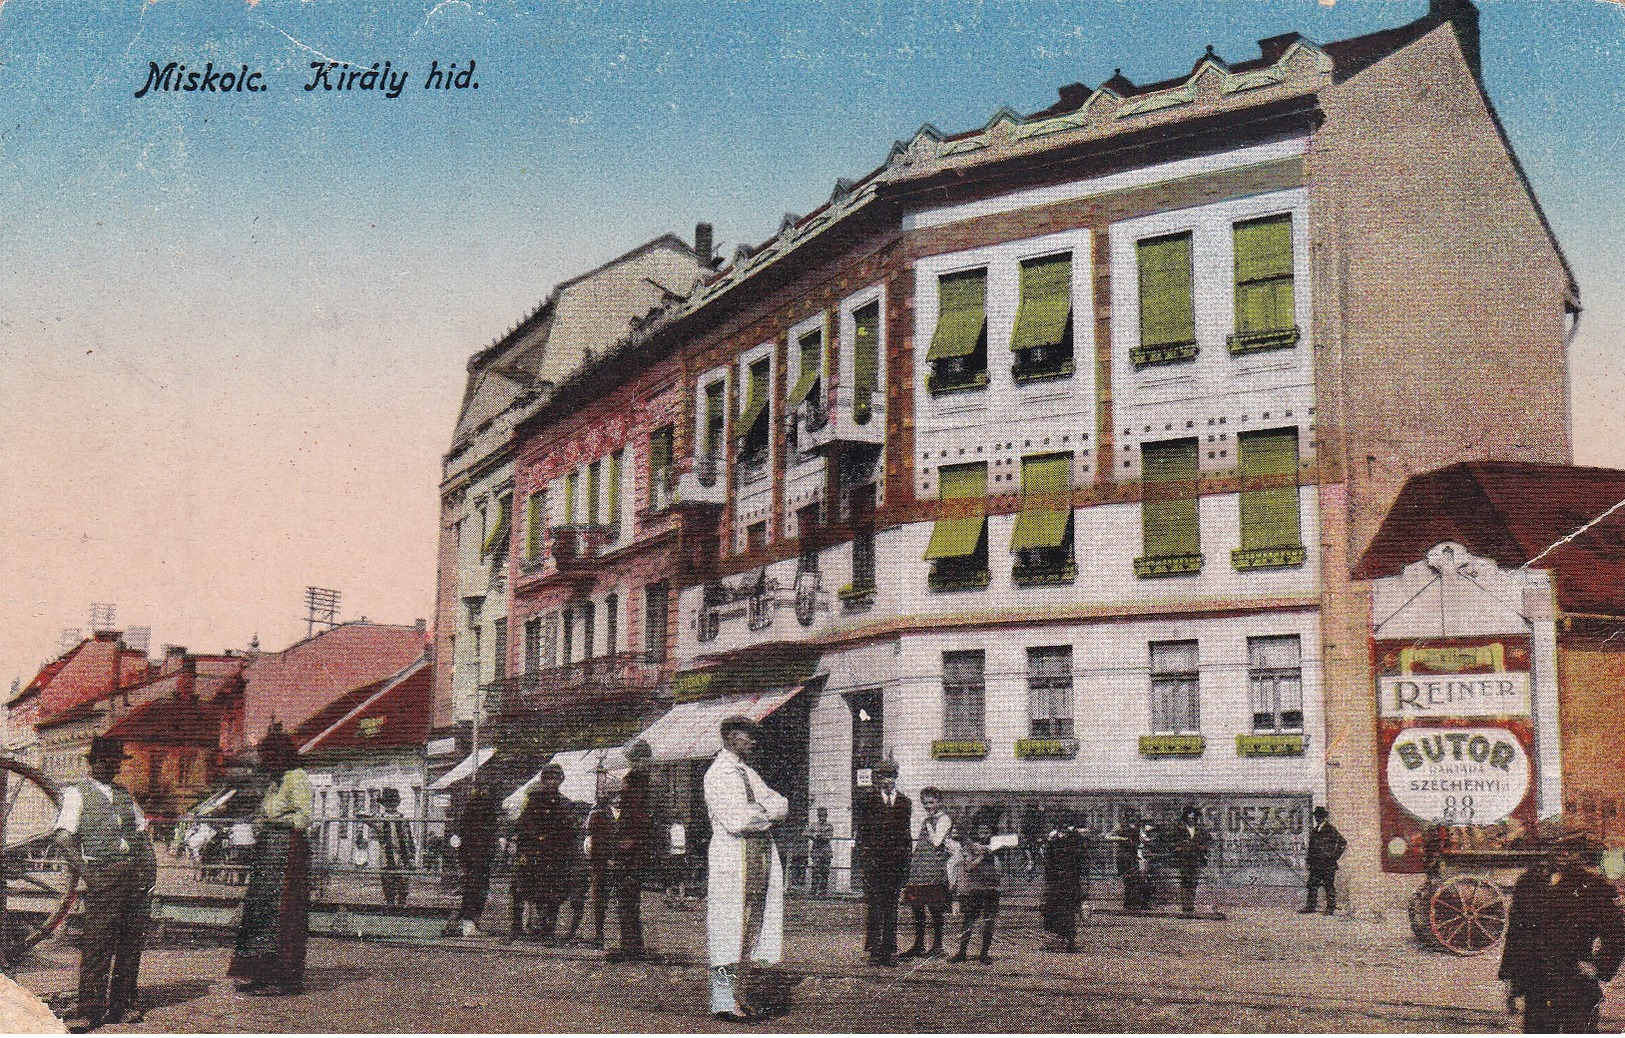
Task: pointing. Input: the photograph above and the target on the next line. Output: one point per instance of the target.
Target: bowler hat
(886, 767)
(106, 747)
(739, 723)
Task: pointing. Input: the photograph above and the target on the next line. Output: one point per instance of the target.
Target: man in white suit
(745, 890)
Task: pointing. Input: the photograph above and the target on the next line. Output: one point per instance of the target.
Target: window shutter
(1046, 303)
(960, 533)
(865, 359)
(1167, 300)
(961, 315)
(1169, 510)
(1046, 502)
(1269, 514)
(1264, 294)
(614, 490)
(714, 421)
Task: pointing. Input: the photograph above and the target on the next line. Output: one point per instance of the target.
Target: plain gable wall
(1449, 313)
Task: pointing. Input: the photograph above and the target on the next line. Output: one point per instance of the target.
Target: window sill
(1282, 556)
(969, 385)
(1172, 745)
(958, 749)
(1046, 749)
(1045, 576)
(1271, 744)
(1149, 566)
(1028, 376)
(1243, 343)
(1162, 353)
(959, 582)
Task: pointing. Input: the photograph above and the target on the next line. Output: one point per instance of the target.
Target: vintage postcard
(816, 517)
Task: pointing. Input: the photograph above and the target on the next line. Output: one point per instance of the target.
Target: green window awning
(1264, 294)
(961, 315)
(1169, 510)
(535, 515)
(572, 483)
(865, 359)
(1269, 514)
(1046, 502)
(811, 353)
(960, 534)
(1046, 303)
(755, 399)
(803, 386)
(498, 535)
(1167, 293)
(714, 420)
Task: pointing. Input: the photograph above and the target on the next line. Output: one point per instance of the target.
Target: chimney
(174, 659)
(704, 241)
(1273, 47)
(1463, 17)
(421, 625)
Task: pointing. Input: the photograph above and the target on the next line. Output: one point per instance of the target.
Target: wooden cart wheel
(1467, 915)
(40, 887)
(1417, 910)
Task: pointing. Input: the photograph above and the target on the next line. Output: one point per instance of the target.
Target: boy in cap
(104, 834)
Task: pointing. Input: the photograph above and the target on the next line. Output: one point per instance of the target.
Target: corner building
(1037, 459)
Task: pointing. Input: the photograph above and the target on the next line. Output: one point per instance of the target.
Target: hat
(389, 796)
(739, 723)
(886, 767)
(106, 747)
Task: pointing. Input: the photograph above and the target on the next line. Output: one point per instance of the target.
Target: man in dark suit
(1326, 846)
(884, 817)
(1191, 843)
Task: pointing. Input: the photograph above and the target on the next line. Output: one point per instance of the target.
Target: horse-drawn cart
(39, 885)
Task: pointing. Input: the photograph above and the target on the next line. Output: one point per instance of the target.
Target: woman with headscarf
(270, 954)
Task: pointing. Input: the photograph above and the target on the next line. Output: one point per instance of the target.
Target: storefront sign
(1461, 695)
(1458, 776)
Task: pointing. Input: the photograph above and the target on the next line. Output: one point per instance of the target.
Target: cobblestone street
(1263, 969)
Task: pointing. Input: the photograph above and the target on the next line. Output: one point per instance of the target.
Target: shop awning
(691, 730)
(464, 768)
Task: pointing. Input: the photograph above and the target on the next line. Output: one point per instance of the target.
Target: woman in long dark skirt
(270, 954)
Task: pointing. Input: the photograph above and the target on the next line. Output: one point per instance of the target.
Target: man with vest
(104, 834)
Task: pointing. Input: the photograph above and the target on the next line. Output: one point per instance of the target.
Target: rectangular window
(478, 648)
(809, 369)
(1265, 314)
(1167, 301)
(1042, 338)
(1042, 537)
(612, 493)
(535, 521)
(572, 484)
(533, 645)
(612, 622)
(499, 649)
(863, 562)
(756, 536)
(656, 602)
(958, 352)
(958, 547)
(550, 640)
(1174, 703)
(807, 537)
(1275, 683)
(570, 637)
(591, 507)
(496, 540)
(963, 696)
(1170, 509)
(865, 360)
(715, 418)
(1049, 691)
(1270, 535)
(662, 443)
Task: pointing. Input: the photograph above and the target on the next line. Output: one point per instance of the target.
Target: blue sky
(233, 328)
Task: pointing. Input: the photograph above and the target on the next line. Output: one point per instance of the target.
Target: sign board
(1463, 695)
(1458, 776)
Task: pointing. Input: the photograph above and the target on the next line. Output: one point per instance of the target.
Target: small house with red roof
(367, 740)
(1498, 604)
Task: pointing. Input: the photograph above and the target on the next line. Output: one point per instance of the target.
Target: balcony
(771, 610)
(845, 421)
(703, 486)
(621, 678)
(751, 468)
(576, 548)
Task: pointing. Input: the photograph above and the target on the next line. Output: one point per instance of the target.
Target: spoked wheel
(40, 886)
(1467, 915)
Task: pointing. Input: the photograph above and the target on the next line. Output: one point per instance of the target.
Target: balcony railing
(576, 547)
(620, 676)
(844, 421)
(702, 486)
(751, 468)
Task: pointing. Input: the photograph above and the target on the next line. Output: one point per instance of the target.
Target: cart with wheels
(1463, 903)
(40, 885)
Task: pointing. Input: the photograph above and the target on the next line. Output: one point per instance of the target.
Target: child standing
(927, 888)
(978, 891)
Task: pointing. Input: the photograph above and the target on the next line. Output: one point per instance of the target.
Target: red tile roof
(1512, 512)
(384, 715)
(291, 686)
(171, 721)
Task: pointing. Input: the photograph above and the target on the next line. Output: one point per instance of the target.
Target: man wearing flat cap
(884, 845)
(104, 834)
(745, 885)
